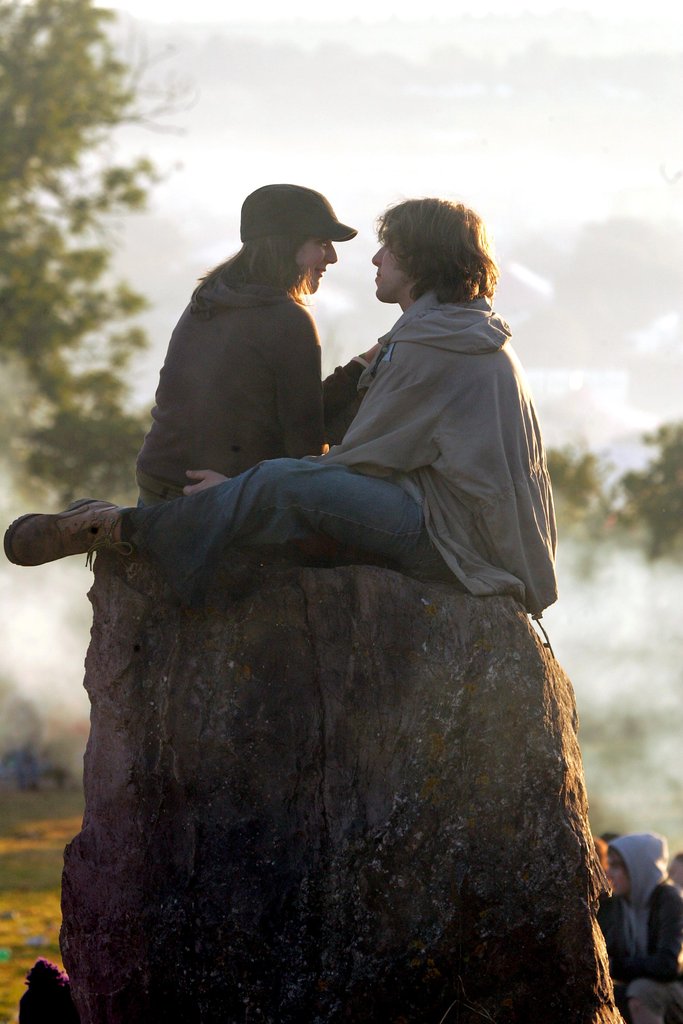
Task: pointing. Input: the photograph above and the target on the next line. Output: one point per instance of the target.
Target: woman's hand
(204, 478)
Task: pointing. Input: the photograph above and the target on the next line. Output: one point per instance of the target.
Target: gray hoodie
(646, 856)
(449, 416)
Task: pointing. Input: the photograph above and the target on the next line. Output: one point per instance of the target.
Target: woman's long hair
(266, 261)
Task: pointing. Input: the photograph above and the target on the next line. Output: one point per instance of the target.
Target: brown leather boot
(85, 526)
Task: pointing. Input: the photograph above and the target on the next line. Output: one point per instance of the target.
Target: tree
(65, 330)
(578, 479)
(653, 497)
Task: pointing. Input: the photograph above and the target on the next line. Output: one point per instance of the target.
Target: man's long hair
(442, 246)
(266, 261)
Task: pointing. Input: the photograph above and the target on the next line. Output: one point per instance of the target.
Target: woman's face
(618, 876)
(313, 257)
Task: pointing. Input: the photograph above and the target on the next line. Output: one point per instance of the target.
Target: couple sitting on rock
(442, 471)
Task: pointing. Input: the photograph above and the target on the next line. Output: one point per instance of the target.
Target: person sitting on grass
(643, 929)
(47, 999)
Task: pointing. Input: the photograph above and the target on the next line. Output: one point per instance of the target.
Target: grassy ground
(34, 829)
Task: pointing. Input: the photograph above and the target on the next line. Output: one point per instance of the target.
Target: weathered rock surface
(335, 795)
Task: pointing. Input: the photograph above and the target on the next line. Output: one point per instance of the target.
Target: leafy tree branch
(65, 328)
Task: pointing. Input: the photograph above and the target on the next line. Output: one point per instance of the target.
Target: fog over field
(564, 132)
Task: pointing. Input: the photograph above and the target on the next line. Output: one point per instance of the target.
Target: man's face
(313, 258)
(618, 876)
(393, 284)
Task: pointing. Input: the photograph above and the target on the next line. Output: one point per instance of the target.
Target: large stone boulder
(331, 795)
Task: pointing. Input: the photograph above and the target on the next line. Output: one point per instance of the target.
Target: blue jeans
(276, 502)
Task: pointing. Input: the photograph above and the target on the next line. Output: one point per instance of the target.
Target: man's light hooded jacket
(449, 416)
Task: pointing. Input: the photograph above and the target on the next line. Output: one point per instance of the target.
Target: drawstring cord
(537, 620)
(378, 359)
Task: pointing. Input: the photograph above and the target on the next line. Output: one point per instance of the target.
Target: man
(643, 929)
(442, 470)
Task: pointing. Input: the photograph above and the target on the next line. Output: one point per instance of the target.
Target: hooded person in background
(643, 929)
(442, 472)
(241, 379)
(47, 999)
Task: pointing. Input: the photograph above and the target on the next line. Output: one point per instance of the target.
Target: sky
(168, 11)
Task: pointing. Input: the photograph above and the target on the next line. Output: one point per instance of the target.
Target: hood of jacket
(218, 296)
(646, 856)
(468, 328)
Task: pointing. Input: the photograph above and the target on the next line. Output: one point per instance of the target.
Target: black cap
(291, 210)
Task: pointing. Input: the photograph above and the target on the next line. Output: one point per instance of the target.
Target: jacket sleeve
(341, 399)
(663, 960)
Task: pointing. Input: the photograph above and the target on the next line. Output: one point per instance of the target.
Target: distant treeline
(643, 506)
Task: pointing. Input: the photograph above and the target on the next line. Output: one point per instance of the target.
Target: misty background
(564, 132)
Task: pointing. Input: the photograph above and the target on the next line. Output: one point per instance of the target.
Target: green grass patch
(34, 829)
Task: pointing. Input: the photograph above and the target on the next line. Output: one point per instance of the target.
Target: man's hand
(371, 354)
(204, 478)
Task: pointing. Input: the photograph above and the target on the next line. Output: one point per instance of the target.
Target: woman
(241, 380)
